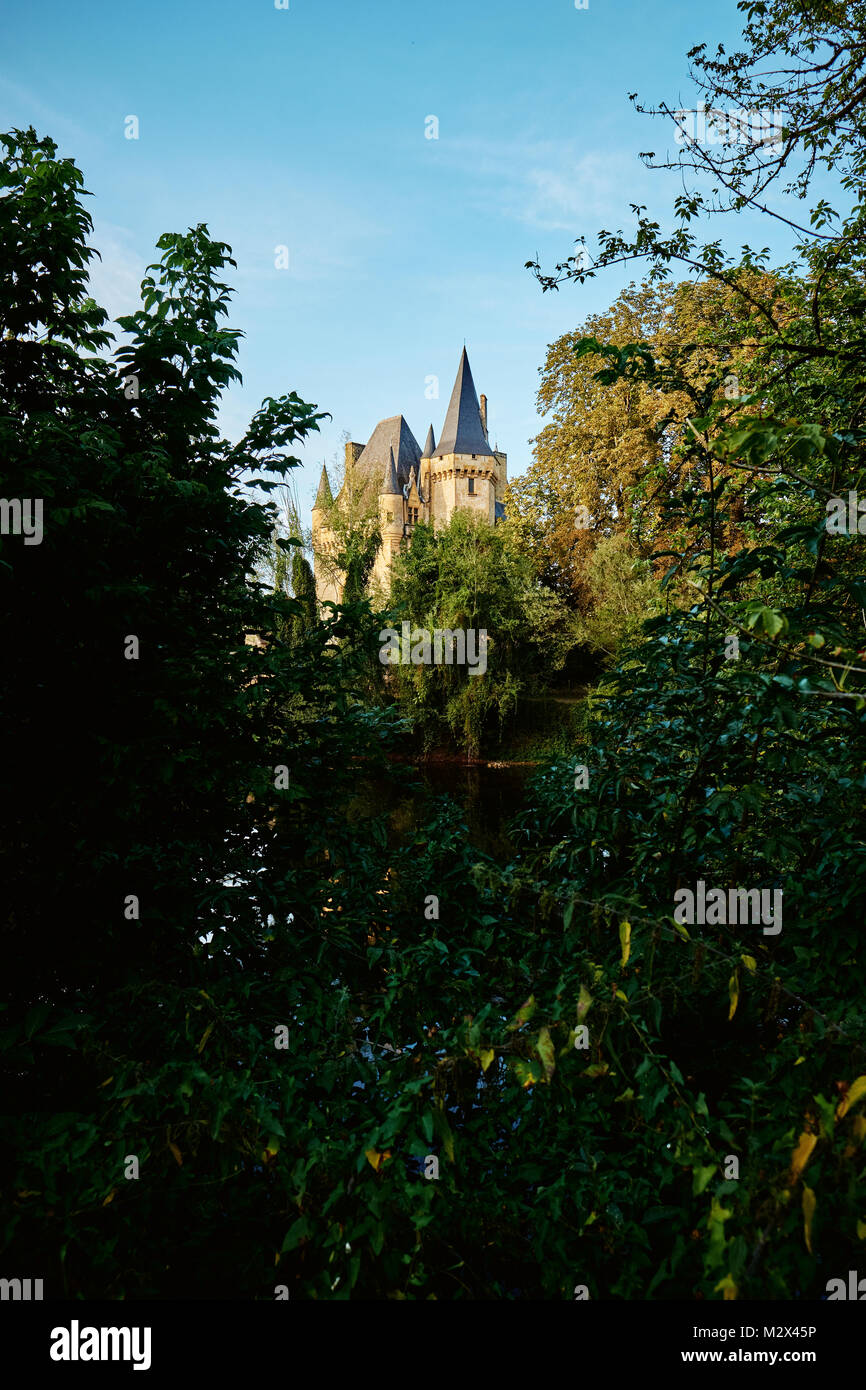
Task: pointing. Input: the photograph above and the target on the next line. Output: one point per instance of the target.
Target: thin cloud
(548, 185)
(116, 274)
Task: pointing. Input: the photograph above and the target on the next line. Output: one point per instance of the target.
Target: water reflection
(488, 796)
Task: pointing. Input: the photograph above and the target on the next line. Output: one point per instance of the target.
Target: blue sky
(305, 128)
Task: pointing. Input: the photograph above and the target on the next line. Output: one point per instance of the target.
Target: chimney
(484, 415)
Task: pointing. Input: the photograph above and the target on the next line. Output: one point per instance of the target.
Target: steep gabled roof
(364, 477)
(393, 433)
(463, 432)
(324, 497)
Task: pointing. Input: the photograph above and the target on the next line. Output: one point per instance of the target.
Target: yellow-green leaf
(701, 1177)
(861, 1230)
(734, 992)
(803, 1152)
(177, 1154)
(716, 1229)
(728, 1288)
(524, 1013)
(373, 1158)
(855, 1092)
(625, 941)
(544, 1048)
(750, 963)
(447, 1138)
(809, 1205)
(487, 1056)
(528, 1073)
(584, 1003)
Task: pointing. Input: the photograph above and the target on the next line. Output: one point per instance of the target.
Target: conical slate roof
(429, 445)
(390, 486)
(463, 432)
(324, 497)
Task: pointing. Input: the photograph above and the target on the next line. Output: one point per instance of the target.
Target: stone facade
(392, 475)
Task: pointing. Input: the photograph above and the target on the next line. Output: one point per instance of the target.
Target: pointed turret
(418, 482)
(429, 445)
(324, 497)
(463, 432)
(414, 482)
(390, 487)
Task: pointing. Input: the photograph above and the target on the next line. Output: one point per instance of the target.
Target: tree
(278, 1027)
(729, 746)
(469, 575)
(606, 463)
(289, 571)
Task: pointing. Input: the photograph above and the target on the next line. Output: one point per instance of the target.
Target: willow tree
(472, 576)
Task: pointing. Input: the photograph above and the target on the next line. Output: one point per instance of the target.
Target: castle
(409, 484)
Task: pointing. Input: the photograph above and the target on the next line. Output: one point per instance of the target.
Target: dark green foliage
(217, 782)
(304, 586)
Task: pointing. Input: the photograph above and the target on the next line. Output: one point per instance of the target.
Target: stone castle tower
(409, 484)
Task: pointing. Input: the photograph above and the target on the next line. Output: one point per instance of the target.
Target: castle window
(471, 486)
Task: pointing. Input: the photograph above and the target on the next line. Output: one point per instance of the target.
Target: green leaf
(544, 1048)
(701, 1177)
(524, 1013)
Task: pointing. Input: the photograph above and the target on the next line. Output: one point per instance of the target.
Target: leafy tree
(289, 570)
(743, 766)
(470, 576)
(353, 520)
(606, 463)
(448, 1029)
(146, 713)
(624, 595)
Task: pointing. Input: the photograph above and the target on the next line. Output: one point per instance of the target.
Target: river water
(487, 795)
